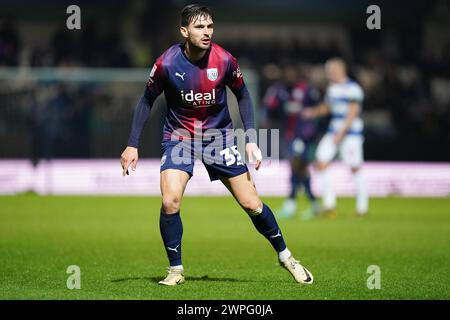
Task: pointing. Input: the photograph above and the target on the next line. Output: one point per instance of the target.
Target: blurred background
(70, 94)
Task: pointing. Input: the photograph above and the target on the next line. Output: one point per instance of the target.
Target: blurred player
(300, 135)
(345, 133)
(194, 76)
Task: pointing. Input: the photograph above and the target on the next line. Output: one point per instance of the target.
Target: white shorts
(350, 149)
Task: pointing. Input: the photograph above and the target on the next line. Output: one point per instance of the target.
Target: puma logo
(180, 75)
(276, 235)
(173, 249)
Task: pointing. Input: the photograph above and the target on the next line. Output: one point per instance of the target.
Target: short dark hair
(193, 11)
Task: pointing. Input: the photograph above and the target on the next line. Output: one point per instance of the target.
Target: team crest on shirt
(212, 74)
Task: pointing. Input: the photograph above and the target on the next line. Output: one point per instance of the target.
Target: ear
(184, 32)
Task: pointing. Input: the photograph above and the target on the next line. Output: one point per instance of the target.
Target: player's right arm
(155, 85)
(320, 110)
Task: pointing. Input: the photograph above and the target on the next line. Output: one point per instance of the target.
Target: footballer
(343, 101)
(193, 76)
(291, 95)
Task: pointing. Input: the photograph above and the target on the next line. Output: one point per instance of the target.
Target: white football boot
(174, 277)
(299, 272)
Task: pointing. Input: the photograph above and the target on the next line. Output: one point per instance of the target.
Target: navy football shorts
(219, 161)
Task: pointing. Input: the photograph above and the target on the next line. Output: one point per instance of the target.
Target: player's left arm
(235, 81)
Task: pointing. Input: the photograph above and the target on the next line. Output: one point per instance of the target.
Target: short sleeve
(355, 93)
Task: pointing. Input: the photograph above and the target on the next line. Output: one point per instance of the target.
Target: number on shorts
(231, 155)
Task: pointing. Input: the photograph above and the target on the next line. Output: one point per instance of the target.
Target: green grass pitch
(116, 243)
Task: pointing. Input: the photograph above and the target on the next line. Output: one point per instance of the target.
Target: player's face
(335, 72)
(199, 32)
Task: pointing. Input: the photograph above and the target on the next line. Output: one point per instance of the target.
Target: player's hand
(253, 151)
(129, 157)
(337, 139)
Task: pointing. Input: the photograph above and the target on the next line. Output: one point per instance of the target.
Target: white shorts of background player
(350, 149)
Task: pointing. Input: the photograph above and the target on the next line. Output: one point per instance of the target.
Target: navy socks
(171, 232)
(305, 181)
(171, 229)
(266, 224)
(295, 182)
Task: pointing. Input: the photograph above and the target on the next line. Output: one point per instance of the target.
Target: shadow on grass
(202, 278)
